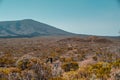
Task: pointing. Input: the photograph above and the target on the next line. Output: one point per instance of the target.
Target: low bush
(69, 66)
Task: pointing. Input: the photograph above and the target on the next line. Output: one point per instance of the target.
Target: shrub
(101, 70)
(95, 58)
(43, 71)
(3, 79)
(116, 64)
(22, 64)
(71, 75)
(6, 60)
(70, 66)
(57, 78)
(9, 70)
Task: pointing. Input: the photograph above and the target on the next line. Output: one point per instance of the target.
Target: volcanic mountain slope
(28, 28)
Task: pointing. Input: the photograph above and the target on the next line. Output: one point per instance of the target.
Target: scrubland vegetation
(90, 58)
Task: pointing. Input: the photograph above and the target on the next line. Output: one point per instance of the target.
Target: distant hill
(28, 28)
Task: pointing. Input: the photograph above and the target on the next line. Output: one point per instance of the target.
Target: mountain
(28, 28)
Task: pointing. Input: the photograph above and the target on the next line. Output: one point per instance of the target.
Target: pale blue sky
(96, 17)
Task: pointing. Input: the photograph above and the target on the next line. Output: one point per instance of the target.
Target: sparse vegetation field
(60, 58)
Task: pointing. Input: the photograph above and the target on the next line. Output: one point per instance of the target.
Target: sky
(93, 17)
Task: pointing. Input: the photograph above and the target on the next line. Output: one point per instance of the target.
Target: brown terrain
(60, 58)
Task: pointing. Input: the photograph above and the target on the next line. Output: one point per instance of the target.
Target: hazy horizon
(92, 17)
